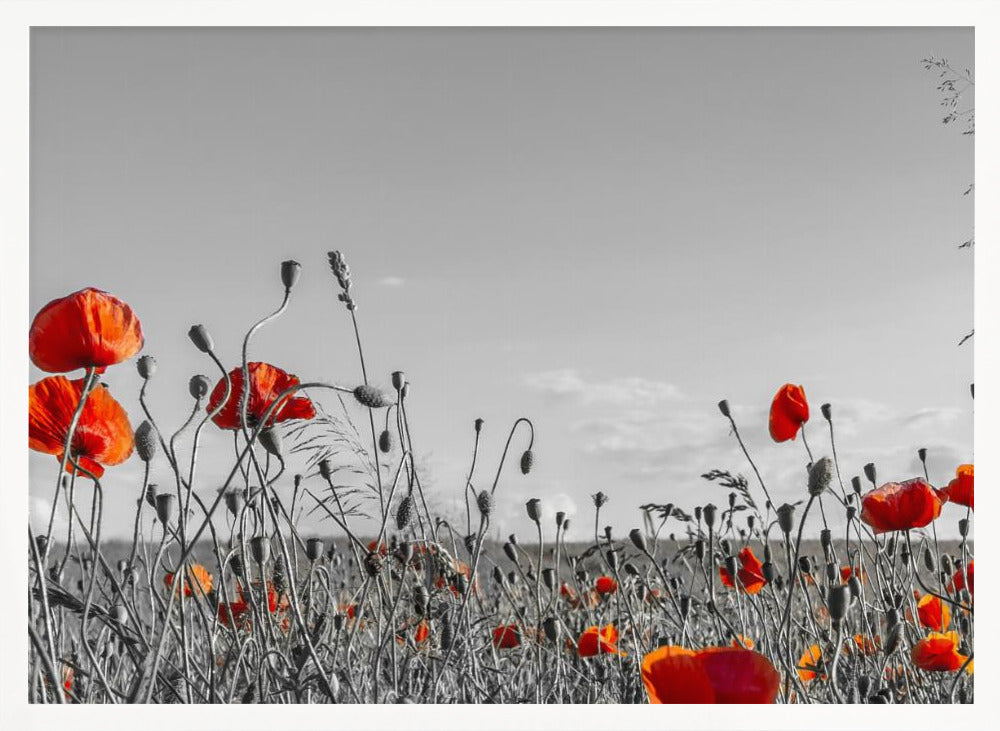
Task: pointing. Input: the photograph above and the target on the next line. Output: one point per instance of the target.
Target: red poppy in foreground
(901, 506)
(714, 675)
(103, 434)
(266, 382)
(598, 641)
(606, 585)
(958, 580)
(933, 613)
(751, 574)
(86, 329)
(938, 652)
(789, 411)
(202, 580)
(506, 636)
(960, 490)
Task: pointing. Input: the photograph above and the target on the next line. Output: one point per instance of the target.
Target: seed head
(534, 508)
(560, 518)
(599, 499)
(404, 512)
(786, 518)
(326, 468)
(146, 365)
(370, 396)
(290, 271)
(724, 408)
(398, 380)
(478, 425)
(260, 549)
(234, 501)
(922, 454)
(708, 513)
(165, 507)
(527, 460)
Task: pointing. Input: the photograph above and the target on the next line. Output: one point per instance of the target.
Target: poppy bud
(837, 600)
(237, 565)
(750, 522)
(724, 408)
(864, 685)
(370, 396)
(826, 539)
(508, 548)
(165, 507)
(638, 539)
(856, 484)
(326, 468)
(398, 380)
(963, 527)
(854, 584)
(732, 499)
(685, 605)
(290, 273)
(708, 513)
(805, 564)
(373, 563)
(512, 538)
(929, 559)
(870, 472)
(198, 387)
(404, 391)
(699, 549)
(145, 441)
(731, 565)
(565, 525)
(270, 439)
(890, 546)
(527, 460)
(404, 512)
(725, 545)
(820, 475)
(551, 628)
(599, 499)
(825, 409)
(851, 512)
(612, 558)
(786, 518)
(260, 549)
(385, 441)
(234, 501)
(922, 454)
(697, 513)
(421, 597)
(946, 564)
(146, 365)
(201, 339)
(478, 424)
(314, 549)
(549, 578)
(534, 508)
(894, 638)
(831, 572)
(560, 517)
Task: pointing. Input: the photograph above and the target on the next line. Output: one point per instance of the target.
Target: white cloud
(392, 281)
(567, 383)
(39, 510)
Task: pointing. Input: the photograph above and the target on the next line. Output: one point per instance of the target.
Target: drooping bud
(146, 365)
(270, 439)
(929, 563)
(638, 539)
(724, 408)
(963, 527)
(201, 339)
(527, 461)
(805, 564)
(290, 271)
(549, 578)
(385, 441)
(612, 558)
(145, 441)
(511, 552)
(370, 396)
(854, 585)
(731, 566)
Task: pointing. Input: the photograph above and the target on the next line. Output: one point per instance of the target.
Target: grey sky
(605, 230)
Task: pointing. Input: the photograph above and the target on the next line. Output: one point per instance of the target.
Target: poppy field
(221, 596)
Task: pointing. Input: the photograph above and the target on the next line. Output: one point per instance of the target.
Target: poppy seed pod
(373, 563)
(290, 271)
(599, 499)
(751, 521)
(856, 484)
(854, 584)
(478, 425)
(370, 396)
(201, 339)
(234, 501)
(870, 472)
(708, 513)
(922, 454)
(963, 527)
(699, 549)
(929, 562)
(612, 558)
(385, 441)
(398, 380)
(326, 468)
(260, 549)
(825, 409)
(551, 628)
(164, 507)
(314, 549)
(946, 564)
(831, 572)
(560, 517)
(820, 475)
(786, 518)
(145, 441)
(724, 408)
(638, 539)
(837, 601)
(270, 439)
(805, 564)
(404, 512)
(767, 571)
(697, 513)
(511, 552)
(146, 365)
(534, 508)
(549, 578)
(851, 512)
(498, 575)
(527, 461)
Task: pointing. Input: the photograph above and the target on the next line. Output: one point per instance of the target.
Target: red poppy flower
(713, 675)
(423, 632)
(809, 663)
(506, 636)
(240, 612)
(900, 506)
(867, 644)
(202, 579)
(938, 652)
(594, 641)
(958, 580)
(266, 382)
(274, 602)
(86, 329)
(789, 411)
(103, 434)
(750, 575)
(934, 614)
(960, 490)
(382, 548)
(606, 585)
(846, 572)
(741, 641)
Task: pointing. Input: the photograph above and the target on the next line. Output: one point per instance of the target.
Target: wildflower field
(228, 600)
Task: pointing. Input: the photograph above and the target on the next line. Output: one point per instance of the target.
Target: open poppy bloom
(506, 636)
(960, 490)
(674, 674)
(789, 411)
(933, 613)
(606, 585)
(750, 575)
(810, 662)
(846, 572)
(900, 506)
(374, 545)
(86, 329)
(103, 434)
(598, 641)
(202, 580)
(958, 579)
(266, 382)
(240, 611)
(421, 632)
(867, 644)
(938, 652)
